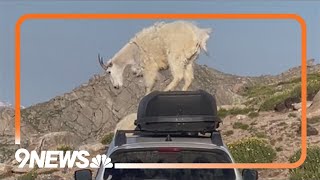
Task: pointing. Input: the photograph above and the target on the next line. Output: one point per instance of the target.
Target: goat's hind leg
(188, 76)
(177, 71)
(188, 73)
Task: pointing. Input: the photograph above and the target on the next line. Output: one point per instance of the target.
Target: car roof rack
(178, 111)
(121, 136)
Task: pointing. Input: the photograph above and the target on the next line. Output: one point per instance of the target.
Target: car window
(170, 155)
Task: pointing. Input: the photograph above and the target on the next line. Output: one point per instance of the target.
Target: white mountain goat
(174, 45)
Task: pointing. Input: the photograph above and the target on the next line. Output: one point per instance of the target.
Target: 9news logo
(61, 159)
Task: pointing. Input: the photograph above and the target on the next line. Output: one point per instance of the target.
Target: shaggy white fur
(176, 45)
(126, 123)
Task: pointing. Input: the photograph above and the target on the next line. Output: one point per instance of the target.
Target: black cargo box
(178, 111)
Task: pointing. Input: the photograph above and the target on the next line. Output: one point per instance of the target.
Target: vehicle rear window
(170, 155)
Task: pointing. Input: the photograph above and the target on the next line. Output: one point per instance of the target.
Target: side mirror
(249, 174)
(83, 174)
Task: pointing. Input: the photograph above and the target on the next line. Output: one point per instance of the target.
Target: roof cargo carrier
(178, 111)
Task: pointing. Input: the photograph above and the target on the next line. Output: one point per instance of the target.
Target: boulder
(314, 109)
(287, 104)
(311, 131)
(281, 107)
(297, 106)
(241, 117)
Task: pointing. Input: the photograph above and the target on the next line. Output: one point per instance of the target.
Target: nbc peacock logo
(101, 160)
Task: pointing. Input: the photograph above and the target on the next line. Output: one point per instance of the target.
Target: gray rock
(7, 152)
(55, 140)
(311, 131)
(23, 170)
(241, 117)
(6, 121)
(314, 109)
(95, 148)
(5, 170)
(297, 106)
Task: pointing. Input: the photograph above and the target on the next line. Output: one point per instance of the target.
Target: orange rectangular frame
(295, 17)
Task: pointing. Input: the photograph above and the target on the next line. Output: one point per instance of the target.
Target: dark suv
(172, 127)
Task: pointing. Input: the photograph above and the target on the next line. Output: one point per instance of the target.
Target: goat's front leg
(150, 75)
(173, 83)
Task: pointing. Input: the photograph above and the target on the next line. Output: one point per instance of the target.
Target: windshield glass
(170, 155)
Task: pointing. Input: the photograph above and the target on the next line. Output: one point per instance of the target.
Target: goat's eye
(109, 72)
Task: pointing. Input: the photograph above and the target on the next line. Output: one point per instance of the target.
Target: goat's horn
(101, 62)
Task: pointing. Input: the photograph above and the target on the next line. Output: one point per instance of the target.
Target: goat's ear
(110, 64)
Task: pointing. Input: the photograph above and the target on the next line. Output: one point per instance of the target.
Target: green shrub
(268, 96)
(253, 123)
(283, 124)
(270, 103)
(240, 125)
(252, 130)
(310, 169)
(313, 86)
(278, 149)
(32, 175)
(234, 111)
(228, 133)
(64, 148)
(259, 90)
(253, 114)
(222, 113)
(107, 138)
(261, 135)
(252, 150)
(292, 115)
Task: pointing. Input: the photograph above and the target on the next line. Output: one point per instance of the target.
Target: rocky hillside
(84, 115)
(95, 107)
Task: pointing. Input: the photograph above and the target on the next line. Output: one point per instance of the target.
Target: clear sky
(59, 55)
